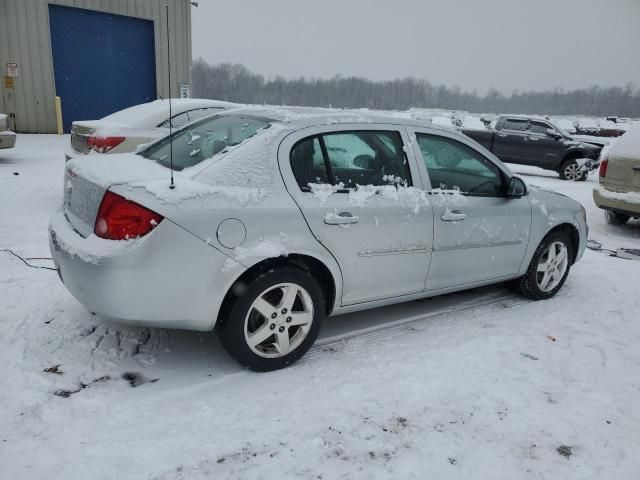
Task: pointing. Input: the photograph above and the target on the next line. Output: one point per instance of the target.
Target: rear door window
(350, 159)
(307, 163)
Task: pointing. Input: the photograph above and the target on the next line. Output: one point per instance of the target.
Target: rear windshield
(202, 140)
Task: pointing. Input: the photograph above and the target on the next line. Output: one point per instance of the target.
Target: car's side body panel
(392, 227)
(491, 239)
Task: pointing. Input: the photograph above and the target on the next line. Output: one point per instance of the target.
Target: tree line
(235, 83)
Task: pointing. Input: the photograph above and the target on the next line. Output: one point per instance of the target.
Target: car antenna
(172, 185)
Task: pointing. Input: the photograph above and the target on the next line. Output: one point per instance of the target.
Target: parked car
(280, 217)
(7, 137)
(127, 129)
(566, 125)
(538, 142)
(618, 192)
(596, 127)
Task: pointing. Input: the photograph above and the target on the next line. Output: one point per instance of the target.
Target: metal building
(98, 56)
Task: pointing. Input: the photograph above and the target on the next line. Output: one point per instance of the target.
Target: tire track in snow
(382, 333)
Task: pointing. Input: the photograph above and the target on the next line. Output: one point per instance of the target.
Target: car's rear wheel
(548, 269)
(570, 170)
(275, 321)
(615, 218)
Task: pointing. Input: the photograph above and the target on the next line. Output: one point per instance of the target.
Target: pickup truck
(538, 142)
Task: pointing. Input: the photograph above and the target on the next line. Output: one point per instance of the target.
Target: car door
(479, 233)
(543, 151)
(509, 143)
(354, 186)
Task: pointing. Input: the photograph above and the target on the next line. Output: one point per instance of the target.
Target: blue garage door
(102, 62)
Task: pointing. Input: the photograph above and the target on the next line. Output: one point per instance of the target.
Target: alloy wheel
(552, 266)
(278, 320)
(573, 172)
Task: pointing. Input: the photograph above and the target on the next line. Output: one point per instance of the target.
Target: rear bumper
(627, 203)
(7, 140)
(168, 279)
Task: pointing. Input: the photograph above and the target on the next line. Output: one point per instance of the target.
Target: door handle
(453, 216)
(342, 218)
(502, 135)
(535, 139)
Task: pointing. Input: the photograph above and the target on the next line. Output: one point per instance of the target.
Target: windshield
(202, 140)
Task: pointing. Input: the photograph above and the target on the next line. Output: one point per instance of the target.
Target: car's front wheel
(615, 218)
(548, 269)
(275, 321)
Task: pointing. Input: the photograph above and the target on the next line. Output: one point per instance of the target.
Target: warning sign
(12, 70)
(8, 82)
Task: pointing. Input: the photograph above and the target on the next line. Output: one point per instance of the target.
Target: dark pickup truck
(538, 142)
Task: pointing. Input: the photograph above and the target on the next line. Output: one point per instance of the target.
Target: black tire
(615, 218)
(231, 325)
(527, 285)
(567, 171)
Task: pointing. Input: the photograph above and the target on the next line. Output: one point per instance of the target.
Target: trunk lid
(86, 181)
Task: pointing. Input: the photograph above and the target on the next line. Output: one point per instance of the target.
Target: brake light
(122, 219)
(603, 167)
(103, 144)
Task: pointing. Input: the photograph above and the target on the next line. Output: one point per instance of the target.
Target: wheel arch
(574, 154)
(315, 267)
(574, 237)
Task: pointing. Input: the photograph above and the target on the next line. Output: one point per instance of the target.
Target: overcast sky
(475, 44)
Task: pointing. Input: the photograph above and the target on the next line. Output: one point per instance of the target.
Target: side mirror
(517, 188)
(553, 134)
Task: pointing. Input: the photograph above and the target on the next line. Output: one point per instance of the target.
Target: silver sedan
(277, 218)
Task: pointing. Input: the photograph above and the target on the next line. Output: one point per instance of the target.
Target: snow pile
(106, 170)
(250, 165)
(322, 191)
(450, 198)
(187, 189)
(473, 122)
(265, 248)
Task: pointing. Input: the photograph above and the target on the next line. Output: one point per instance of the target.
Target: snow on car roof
(153, 113)
(300, 117)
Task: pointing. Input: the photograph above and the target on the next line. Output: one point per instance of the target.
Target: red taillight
(603, 167)
(103, 144)
(122, 219)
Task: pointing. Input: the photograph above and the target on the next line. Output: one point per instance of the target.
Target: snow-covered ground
(480, 384)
